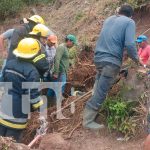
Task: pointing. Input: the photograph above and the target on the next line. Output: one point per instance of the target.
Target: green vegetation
(29, 2)
(121, 115)
(79, 15)
(111, 7)
(12, 7)
(9, 7)
(135, 3)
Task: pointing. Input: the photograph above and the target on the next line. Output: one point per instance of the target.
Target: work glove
(124, 73)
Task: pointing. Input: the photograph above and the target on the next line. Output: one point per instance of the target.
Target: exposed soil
(9, 144)
(83, 18)
(143, 23)
(86, 140)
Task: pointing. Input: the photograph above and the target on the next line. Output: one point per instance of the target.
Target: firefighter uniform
(18, 71)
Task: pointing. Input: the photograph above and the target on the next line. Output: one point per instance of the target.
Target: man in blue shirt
(117, 34)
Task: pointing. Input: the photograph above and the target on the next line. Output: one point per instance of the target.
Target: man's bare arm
(2, 48)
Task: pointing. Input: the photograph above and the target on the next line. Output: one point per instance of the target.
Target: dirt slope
(84, 18)
(103, 141)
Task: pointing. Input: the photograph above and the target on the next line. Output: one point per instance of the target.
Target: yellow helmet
(37, 19)
(41, 30)
(27, 48)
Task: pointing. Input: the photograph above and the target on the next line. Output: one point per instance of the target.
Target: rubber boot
(89, 116)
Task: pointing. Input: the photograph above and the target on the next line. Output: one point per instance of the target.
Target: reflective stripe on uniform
(38, 58)
(13, 125)
(37, 105)
(12, 119)
(16, 73)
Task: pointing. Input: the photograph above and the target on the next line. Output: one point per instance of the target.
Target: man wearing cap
(61, 63)
(41, 33)
(50, 50)
(144, 50)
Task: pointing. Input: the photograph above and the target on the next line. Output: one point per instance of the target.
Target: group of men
(33, 55)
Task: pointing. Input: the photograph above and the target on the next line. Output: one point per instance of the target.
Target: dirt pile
(83, 74)
(9, 143)
(137, 84)
(54, 142)
(85, 19)
(66, 126)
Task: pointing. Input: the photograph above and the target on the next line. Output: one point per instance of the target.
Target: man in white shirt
(51, 49)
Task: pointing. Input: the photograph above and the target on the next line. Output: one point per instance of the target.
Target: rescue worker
(118, 32)
(61, 65)
(7, 35)
(18, 71)
(22, 31)
(144, 50)
(41, 33)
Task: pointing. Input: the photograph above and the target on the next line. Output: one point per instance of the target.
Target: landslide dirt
(83, 18)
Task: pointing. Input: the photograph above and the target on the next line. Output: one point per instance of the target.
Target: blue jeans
(61, 78)
(106, 74)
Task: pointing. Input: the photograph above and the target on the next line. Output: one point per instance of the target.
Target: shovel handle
(34, 140)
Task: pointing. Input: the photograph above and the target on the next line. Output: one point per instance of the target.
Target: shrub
(9, 7)
(135, 3)
(120, 116)
(29, 2)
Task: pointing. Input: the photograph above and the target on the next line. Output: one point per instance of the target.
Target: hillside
(83, 18)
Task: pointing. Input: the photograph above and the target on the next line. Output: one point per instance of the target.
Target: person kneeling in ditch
(117, 34)
(14, 108)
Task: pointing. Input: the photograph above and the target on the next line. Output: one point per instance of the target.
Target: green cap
(72, 38)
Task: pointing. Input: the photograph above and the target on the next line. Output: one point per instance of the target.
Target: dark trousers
(106, 75)
(9, 132)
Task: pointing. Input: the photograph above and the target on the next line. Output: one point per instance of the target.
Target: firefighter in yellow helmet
(18, 71)
(41, 33)
(22, 31)
(37, 19)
